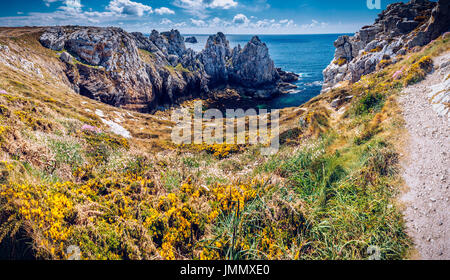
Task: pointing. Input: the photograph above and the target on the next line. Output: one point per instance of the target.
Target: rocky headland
(142, 73)
(399, 28)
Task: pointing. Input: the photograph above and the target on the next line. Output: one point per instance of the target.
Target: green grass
(178, 68)
(171, 180)
(191, 162)
(66, 152)
(351, 204)
(369, 103)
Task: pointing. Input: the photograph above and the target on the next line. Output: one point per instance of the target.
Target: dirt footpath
(426, 167)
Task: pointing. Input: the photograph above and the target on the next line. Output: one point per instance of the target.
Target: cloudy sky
(197, 16)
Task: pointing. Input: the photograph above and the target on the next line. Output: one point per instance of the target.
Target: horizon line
(262, 34)
(198, 34)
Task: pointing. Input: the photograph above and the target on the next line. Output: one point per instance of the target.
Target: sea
(306, 55)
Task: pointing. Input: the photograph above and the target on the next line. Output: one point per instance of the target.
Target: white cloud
(314, 24)
(241, 19)
(223, 4)
(219, 23)
(164, 11)
(193, 7)
(127, 7)
(287, 22)
(48, 2)
(200, 8)
(275, 26)
(71, 6)
(261, 23)
(198, 23)
(180, 24)
(216, 20)
(203, 19)
(189, 4)
(73, 12)
(166, 21)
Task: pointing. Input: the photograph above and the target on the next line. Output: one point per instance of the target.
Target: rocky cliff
(402, 26)
(141, 73)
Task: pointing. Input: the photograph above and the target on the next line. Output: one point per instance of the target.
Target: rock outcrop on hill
(400, 27)
(141, 73)
(107, 68)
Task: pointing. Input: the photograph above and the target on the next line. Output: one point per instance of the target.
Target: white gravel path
(426, 168)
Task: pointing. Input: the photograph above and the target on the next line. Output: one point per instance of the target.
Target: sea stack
(191, 40)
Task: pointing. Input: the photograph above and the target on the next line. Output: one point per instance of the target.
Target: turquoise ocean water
(306, 55)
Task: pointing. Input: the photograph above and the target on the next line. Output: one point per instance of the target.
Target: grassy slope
(328, 194)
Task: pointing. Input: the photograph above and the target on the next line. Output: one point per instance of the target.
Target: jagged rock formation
(215, 57)
(140, 73)
(400, 27)
(252, 65)
(249, 68)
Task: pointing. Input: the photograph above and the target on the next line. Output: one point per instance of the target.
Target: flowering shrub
(233, 197)
(122, 216)
(43, 209)
(418, 70)
(384, 63)
(397, 75)
(91, 128)
(220, 151)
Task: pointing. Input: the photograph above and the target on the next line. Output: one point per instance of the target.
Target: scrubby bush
(341, 61)
(369, 103)
(418, 70)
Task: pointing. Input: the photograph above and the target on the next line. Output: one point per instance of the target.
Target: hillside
(76, 171)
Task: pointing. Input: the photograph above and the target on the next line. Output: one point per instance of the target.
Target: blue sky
(197, 16)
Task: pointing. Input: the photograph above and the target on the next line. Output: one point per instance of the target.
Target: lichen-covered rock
(400, 27)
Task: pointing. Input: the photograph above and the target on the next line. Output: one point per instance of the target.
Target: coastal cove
(305, 55)
(117, 145)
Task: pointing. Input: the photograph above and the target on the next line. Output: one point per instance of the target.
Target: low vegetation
(329, 193)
